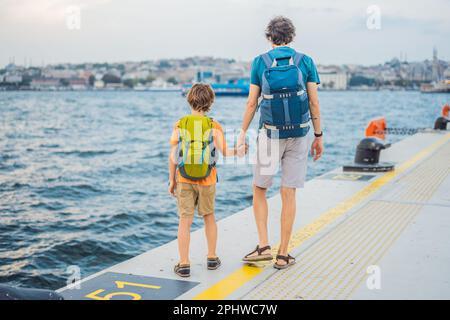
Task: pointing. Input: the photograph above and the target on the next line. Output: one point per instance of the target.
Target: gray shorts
(289, 154)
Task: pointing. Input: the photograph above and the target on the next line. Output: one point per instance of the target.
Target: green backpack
(196, 150)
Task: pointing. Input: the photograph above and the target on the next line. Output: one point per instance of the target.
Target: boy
(192, 173)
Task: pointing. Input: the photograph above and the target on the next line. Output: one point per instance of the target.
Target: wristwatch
(318, 135)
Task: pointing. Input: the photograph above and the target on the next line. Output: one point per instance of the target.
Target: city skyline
(29, 63)
(112, 31)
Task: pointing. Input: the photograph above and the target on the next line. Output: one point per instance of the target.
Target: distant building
(136, 75)
(447, 74)
(388, 75)
(12, 78)
(77, 83)
(60, 74)
(333, 78)
(114, 86)
(436, 68)
(45, 84)
(99, 84)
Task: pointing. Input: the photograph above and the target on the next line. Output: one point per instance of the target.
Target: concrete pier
(356, 236)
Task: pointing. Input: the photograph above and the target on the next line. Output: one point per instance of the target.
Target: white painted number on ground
(373, 281)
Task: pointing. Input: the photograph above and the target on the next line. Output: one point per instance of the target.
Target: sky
(330, 31)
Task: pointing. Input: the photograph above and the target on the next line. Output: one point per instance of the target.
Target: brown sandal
(288, 259)
(183, 270)
(259, 256)
(213, 263)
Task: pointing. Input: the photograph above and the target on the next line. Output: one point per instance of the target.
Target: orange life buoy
(376, 128)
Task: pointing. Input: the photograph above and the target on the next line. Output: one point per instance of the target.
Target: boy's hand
(242, 150)
(172, 187)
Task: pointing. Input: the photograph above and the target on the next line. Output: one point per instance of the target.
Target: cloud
(41, 11)
(331, 31)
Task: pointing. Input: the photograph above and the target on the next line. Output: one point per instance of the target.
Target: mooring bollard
(441, 122)
(368, 150)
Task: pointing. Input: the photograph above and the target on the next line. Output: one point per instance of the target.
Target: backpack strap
(267, 60)
(298, 58)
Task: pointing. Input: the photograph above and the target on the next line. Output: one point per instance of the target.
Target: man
(289, 153)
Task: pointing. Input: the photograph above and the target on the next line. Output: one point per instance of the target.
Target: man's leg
(268, 159)
(293, 167)
(288, 210)
(260, 211)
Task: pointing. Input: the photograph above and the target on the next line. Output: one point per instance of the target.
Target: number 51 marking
(120, 285)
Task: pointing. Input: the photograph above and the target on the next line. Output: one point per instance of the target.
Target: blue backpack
(284, 106)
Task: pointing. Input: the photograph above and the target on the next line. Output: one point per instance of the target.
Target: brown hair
(280, 30)
(201, 97)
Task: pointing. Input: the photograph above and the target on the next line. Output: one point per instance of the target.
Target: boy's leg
(206, 199)
(211, 234)
(186, 198)
(184, 237)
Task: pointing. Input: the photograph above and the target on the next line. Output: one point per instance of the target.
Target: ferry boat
(234, 87)
(436, 87)
(230, 84)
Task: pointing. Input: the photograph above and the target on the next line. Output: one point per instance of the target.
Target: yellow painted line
(238, 278)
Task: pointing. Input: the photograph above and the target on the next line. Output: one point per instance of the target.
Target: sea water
(83, 175)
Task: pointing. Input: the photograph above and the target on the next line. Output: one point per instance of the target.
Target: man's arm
(252, 105)
(250, 110)
(314, 108)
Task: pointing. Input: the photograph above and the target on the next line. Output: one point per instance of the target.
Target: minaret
(435, 66)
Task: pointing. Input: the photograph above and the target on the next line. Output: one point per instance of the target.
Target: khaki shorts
(290, 154)
(190, 196)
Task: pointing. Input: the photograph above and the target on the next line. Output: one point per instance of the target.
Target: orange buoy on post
(445, 110)
(376, 128)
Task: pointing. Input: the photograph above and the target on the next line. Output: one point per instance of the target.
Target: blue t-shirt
(307, 66)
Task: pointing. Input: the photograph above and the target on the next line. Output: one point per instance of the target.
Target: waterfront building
(333, 78)
(45, 84)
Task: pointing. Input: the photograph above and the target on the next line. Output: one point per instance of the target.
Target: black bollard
(441, 123)
(367, 156)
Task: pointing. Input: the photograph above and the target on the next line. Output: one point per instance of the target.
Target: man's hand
(242, 150)
(317, 148)
(242, 146)
(172, 187)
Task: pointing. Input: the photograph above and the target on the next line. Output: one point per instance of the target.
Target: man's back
(307, 66)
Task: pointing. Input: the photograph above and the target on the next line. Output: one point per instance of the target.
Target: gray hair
(280, 30)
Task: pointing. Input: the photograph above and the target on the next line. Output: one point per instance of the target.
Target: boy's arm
(172, 170)
(172, 163)
(221, 144)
